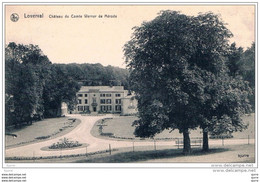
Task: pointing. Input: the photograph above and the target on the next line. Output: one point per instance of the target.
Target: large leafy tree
(60, 87)
(225, 93)
(247, 71)
(173, 61)
(25, 69)
(227, 101)
(33, 86)
(242, 63)
(234, 61)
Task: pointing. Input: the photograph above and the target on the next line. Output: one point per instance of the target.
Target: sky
(101, 39)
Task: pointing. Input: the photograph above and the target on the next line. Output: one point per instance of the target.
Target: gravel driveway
(82, 134)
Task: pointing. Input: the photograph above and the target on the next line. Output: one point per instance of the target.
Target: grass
(53, 159)
(226, 154)
(39, 131)
(133, 156)
(122, 127)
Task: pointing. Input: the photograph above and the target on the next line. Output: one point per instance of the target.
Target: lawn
(122, 127)
(163, 154)
(39, 131)
(229, 154)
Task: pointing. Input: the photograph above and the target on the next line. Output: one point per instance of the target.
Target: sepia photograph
(140, 84)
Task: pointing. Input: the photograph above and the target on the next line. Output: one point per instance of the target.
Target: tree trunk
(205, 141)
(186, 142)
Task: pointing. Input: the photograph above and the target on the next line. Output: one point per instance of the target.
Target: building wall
(100, 99)
(129, 106)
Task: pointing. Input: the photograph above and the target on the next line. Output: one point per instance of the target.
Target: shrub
(42, 137)
(10, 134)
(221, 136)
(106, 134)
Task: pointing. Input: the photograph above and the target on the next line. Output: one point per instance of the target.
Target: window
(108, 95)
(118, 95)
(86, 95)
(109, 108)
(102, 101)
(94, 100)
(108, 101)
(118, 101)
(86, 108)
(102, 95)
(79, 101)
(86, 101)
(102, 108)
(106, 108)
(118, 108)
(80, 108)
(79, 95)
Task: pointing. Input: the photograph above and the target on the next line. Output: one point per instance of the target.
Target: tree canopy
(96, 74)
(178, 70)
(25, 69)
(242, 64)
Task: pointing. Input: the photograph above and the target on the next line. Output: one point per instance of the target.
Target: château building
(105, 99)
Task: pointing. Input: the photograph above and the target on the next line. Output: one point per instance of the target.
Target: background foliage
(35, 88)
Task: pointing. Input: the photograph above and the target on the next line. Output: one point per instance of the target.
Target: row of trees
(186, 75)
(96, 74)
(35, 88)
(242, 63)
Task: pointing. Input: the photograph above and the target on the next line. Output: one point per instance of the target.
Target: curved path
(82, 134)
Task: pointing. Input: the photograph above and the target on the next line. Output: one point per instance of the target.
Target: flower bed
(64, 144)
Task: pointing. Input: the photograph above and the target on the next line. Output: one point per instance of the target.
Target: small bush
(132, 114)
(107, 134)
(42, 137)
(221, 136)
(11, 134)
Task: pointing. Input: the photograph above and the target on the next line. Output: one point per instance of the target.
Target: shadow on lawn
(127, 157)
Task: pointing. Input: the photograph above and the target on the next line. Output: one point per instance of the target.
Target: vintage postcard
(160, 85)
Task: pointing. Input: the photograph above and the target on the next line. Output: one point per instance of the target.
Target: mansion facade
(105, 99)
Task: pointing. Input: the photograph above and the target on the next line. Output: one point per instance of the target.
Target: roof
(101, 88)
